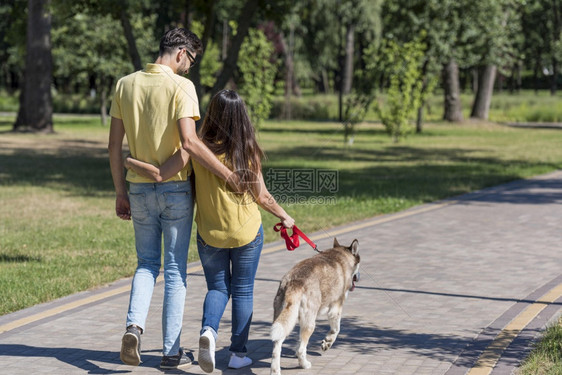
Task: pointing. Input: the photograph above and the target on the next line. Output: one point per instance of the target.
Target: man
(156, 109)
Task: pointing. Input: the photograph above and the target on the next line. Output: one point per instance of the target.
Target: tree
(36, 104)
(556, 36)
(357, 103)
(452, 107)
(408, 19)
(495, 23)
(483, 97)
(357, 17)
(12, 43)
(257, 75)
(124, 17)
(321, 42)
(99, 56)
(402, 64)
(243, 22)
(536, 44)
(203, 74)
(366, 76)
(209, 57)
(242, 16)
(122, 11)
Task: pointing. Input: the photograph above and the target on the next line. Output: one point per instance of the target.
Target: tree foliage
(258, 73)
(210, 64)
(403, 64)
(95, 41)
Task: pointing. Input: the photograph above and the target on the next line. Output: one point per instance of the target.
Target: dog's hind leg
(334, 317)
(276, 358)
(307, 324)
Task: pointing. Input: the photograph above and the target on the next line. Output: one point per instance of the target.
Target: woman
(229, 229)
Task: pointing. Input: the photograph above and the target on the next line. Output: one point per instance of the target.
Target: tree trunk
(21, 121)
(519, 80)
(195, 73)
(131, 43)
(244, 20)
(187, 16)
(419, 117)
(556, 29)
(291, 85)
(103, 100)
(481, 106)
(554, 77)
(287, 51)
(325, 82)
(296, 90)
(452, 103)
(36, 103)
(515, 80)
(500, 79)
(348, 65)
(536, 70)
(224, 47)
(475, 79)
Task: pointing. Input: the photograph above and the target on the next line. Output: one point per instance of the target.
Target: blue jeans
(161, 210)
(223, 282)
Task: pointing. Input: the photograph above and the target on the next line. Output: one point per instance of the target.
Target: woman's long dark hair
(227, 130)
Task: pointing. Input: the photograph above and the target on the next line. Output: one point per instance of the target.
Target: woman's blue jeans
(230, 272)
(159, 211)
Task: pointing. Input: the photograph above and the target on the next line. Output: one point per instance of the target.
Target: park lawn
(546, 356)
(59, 234)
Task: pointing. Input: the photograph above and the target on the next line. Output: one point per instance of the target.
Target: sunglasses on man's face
(192, 60)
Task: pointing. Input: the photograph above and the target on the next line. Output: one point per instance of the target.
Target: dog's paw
(305, 364)
(275, 371)
(326, 345)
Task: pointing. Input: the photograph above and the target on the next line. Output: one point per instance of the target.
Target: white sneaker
(206, 357)
(239, 362)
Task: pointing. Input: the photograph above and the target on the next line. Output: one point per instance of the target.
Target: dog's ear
(336, 243)
(354, 247)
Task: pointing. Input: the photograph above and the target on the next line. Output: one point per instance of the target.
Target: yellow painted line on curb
(72, 305)
(493, 352)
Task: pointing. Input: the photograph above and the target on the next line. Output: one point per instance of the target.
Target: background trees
(318, 47)
(36, 109)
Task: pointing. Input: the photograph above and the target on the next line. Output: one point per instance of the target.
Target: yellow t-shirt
(224, 219)
(150, 102)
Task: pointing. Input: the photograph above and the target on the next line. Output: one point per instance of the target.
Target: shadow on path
(81, 358)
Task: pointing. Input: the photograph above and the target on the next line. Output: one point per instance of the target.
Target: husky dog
(315, 285)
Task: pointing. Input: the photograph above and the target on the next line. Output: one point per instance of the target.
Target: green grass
(59, 234)
(8, 103)
(546, 357)
(525, 106)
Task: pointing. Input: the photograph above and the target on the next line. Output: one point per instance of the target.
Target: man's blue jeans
(223, 282)
(163, 210)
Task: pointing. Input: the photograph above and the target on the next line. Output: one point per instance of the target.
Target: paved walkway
(447, 288)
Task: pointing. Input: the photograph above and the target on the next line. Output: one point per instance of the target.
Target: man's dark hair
(180, 38)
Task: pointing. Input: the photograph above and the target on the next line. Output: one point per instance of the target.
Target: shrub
(258, 74)
(307, 108)
(403, 62)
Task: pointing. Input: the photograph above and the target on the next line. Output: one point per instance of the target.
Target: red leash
(292, 241)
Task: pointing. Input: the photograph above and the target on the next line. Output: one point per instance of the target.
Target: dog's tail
(286, 313)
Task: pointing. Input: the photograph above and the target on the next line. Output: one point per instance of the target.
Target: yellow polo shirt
(150, 102)
(224, 219)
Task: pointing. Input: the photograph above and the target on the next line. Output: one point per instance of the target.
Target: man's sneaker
(239, 362)
(206, 357)
(175, 361)
(130, 346)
